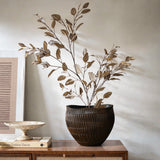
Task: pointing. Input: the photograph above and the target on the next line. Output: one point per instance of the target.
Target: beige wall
(132, 24)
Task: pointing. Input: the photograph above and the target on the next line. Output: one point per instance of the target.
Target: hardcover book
(42, 142)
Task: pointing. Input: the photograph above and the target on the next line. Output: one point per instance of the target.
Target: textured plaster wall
(132, 24)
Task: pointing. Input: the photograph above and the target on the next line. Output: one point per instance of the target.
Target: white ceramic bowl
(24, 126)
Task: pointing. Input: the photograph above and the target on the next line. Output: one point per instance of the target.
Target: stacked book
(42, 142)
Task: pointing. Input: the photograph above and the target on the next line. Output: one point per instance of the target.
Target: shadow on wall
(137, 114)
(142, 128)
(34, 103)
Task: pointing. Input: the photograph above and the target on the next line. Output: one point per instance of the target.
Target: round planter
(89, 126)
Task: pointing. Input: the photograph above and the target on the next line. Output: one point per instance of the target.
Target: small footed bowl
(24, 126)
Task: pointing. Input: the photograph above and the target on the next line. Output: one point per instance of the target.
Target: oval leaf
(42, 27)
(49, 34)
(85, 57)
(32, 46)
(62, 77)
(51, 72)
(86, 5)
(85, 11)
(78, 68)
(73, 11)
(64, 66)
(114, 79)
(66, 93)
(56, 17)
(45, 45)
(65, 32)
(22, 45)
(69, 82)
(53, 24)
(91, 76)
(107, 95)
(105, 51)
(84, 82)
(79, 26)
(98, 103)
(80, 91)
(61, 85)
(59, 45)
(117, 74)
(58, 53)
(89, 64)
(100, 89)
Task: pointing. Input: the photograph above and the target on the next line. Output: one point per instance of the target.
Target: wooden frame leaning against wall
(12, 80)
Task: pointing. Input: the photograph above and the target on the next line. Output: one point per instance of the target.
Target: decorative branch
(109, 67)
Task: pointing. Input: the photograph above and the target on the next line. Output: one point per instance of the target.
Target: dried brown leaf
(111, 64)
(106, 73)
(22, 45)
(129, 58)
(85, 11)
(64, 66)
(73, 37)
(78, 68)
(49, 34)
(113, 51)
(80, 91)
(53, 24)
(117, 74)
(68, 22)
(32, 46)
(91, 76)
(56, 17)
(86, 5)
(99, 74)
(100, 89)
(61, 85)
(45, 45)
(89, 64)
(107, 95)
(85, 57)
(39, 60)
(42, 27)
(59, 45)
(114, 79)
(58, 52)
(66, 93)
(105, 51)
(51, 72)
(79, 17)
(98, 103)
(62, 77)
(79, 26)
(69, 97)
(84, 82)
(89, 84)
(69, 82)
(73, 11)
(65, 32)
(20, 49)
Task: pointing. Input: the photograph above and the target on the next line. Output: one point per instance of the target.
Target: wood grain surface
(80, 158)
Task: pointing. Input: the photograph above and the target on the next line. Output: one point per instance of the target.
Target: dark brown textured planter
(89, 126)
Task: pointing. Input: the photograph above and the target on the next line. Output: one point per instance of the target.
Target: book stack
(42, 142)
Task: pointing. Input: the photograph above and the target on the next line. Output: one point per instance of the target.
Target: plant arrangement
(86, 80)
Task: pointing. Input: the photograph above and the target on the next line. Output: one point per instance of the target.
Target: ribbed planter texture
(90, 126)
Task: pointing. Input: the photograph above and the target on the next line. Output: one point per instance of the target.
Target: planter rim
(86, 107)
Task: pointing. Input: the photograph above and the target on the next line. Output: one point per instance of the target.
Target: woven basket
(89, 126)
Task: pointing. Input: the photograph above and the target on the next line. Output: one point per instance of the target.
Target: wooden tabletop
(65, 146)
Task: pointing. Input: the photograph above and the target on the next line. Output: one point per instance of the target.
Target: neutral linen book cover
(42, 142)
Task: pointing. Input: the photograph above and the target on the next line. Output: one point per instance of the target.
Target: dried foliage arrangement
(80, 80)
